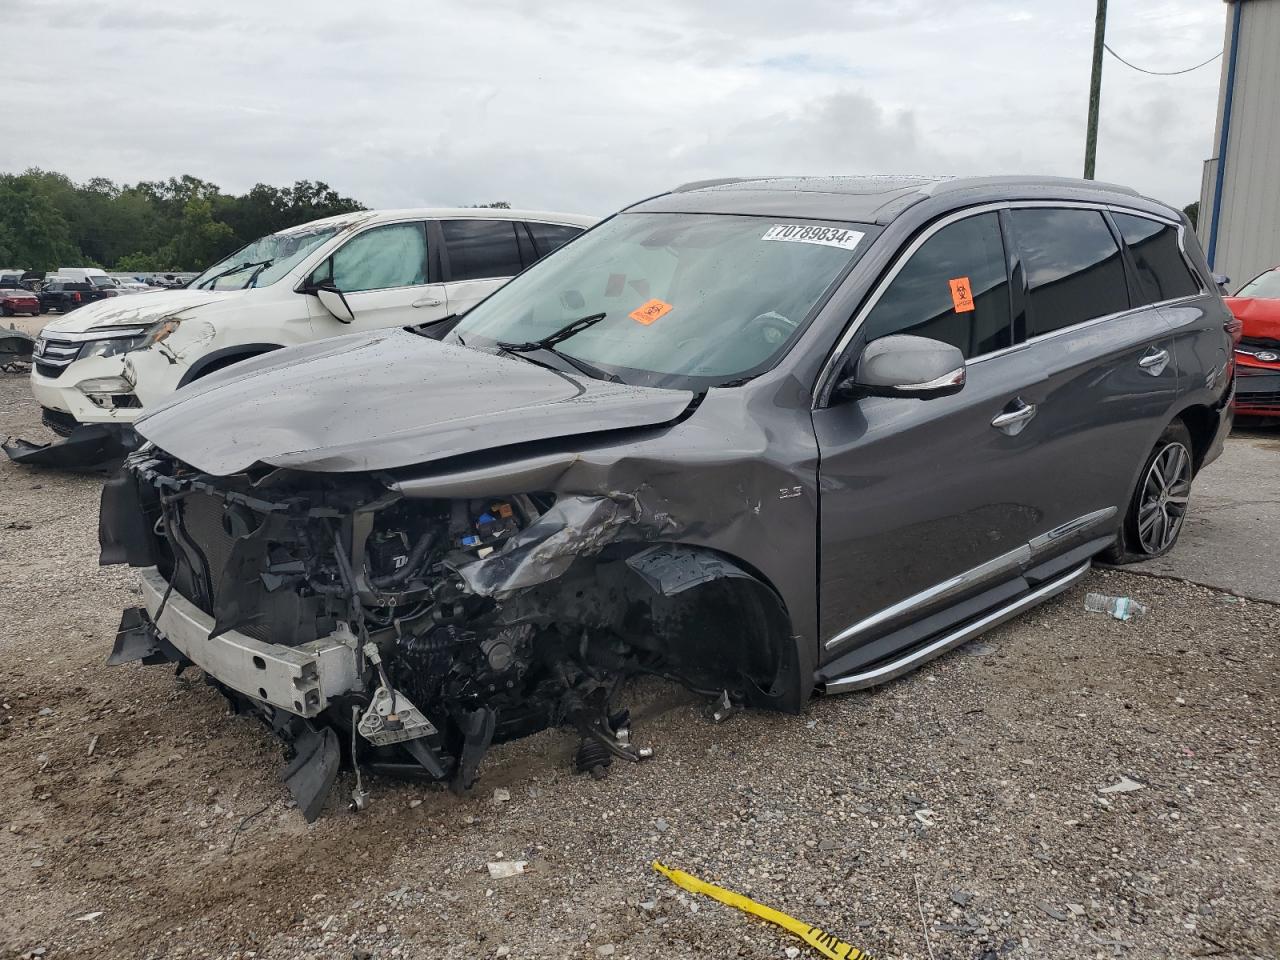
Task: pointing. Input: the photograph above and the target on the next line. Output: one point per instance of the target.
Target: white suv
(106, 362)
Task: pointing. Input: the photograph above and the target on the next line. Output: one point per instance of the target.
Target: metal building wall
(1248, 229)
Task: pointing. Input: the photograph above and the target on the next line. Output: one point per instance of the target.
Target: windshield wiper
(570, 329)
(230, 270)
(549, 342)
(253, 277)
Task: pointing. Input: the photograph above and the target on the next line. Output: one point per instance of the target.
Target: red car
(1257, 307)
(18, 301)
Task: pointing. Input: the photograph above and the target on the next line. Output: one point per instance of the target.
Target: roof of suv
(449, 213)
(877, 199)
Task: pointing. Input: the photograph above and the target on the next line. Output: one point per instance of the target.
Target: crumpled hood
(386, 399)
(1259, 315)
(136, 309)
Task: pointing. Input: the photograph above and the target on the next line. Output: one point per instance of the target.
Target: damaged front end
(406, 634)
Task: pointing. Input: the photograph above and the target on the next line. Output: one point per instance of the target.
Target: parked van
(107, 362)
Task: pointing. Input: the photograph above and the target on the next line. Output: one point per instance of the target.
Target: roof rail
(717, 182)
(953, 184)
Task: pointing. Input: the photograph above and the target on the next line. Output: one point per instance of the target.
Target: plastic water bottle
(1122, 608)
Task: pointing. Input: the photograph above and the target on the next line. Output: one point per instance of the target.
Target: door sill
(919, 655)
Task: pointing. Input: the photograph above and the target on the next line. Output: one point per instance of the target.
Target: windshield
(265, 260)
(1266, 286)
(101, 281)
(691, 300)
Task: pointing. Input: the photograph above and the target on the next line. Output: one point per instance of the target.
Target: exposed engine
(442, 668)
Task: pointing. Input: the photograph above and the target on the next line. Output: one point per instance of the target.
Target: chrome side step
(896, 668)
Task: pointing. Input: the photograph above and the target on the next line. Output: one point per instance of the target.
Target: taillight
(1235, 328)
(75, 298)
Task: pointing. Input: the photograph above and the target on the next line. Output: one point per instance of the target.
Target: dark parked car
(766, 437)
(18, 301)
(65, 295)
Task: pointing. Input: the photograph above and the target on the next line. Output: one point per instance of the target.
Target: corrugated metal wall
(1249, 225)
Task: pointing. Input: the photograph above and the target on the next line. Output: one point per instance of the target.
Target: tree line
(183, 223)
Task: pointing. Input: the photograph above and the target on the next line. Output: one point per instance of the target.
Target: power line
(1161, 73)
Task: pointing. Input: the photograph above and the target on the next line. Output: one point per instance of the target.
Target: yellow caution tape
(827, 944)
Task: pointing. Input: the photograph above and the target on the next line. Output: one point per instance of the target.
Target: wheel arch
(217, 359)
(1202, 422)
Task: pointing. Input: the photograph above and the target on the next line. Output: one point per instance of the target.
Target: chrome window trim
(830, 367)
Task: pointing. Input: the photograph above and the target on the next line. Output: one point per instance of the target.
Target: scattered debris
(923, 815)
(501, 795)
(1049, 910)
(962, 898)
(89, 916)
(93, 742)
(1122, 608)
(923, 922)
(825, 943)
(722, 708)
(1123, 785)
(501, 869)
(661, 825)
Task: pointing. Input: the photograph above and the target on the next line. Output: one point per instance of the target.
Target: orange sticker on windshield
(646, 313)
(961, 295)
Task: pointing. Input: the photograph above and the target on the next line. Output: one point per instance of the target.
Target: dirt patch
(977, 776)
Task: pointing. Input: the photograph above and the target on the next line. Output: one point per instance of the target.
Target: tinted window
(479, 249)
(378, 259)
(548, 236)
(1073, 267)
(954, 289)
(1162, 272)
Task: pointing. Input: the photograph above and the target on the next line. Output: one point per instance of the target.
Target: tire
(1158, 507)
(4, 312)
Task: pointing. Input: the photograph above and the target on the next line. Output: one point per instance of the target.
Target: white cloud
(585, 107)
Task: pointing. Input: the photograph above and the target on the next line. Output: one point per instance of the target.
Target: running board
(920, 655)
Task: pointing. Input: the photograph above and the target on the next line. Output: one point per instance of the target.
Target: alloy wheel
(1165, 491)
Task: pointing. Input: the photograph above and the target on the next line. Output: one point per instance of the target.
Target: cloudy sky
(584, 106)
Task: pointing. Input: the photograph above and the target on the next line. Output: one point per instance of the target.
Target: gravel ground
(953, 814)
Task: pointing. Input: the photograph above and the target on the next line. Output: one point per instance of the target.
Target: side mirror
(905, 366)
(1222, 280)
(332, 299)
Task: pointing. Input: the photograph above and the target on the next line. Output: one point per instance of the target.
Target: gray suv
(764, 437)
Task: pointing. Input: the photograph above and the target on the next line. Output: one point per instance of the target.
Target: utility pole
(1095, 89)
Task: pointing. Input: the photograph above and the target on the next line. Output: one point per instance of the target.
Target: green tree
(1192, 210)
(202, 240)
(182, 223)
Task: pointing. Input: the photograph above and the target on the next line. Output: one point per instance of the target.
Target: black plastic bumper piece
(311, 773)
(90, 446)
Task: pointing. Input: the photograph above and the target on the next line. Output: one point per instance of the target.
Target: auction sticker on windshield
(803, 233)
(650, 311)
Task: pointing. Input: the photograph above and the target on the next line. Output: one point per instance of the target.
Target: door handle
(1154, 363)
(1012, 421)
(427, 302)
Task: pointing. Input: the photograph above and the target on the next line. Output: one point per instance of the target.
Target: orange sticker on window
(962, 295)
(648, 312)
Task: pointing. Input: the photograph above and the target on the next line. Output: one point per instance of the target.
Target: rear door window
(1163, 274)
(481, 249)
(1073, 267)
(548, 236)
(955, 288)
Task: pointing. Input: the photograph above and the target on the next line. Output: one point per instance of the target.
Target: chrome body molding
(1006, 562)
(896, 668)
